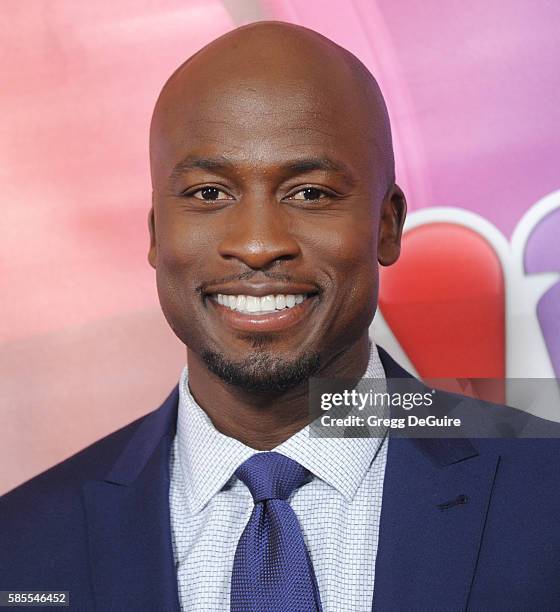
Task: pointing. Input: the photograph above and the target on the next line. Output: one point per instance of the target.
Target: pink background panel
(84, 348)
(472, 90)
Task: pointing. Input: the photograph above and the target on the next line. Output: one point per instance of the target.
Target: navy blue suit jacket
(97, 524)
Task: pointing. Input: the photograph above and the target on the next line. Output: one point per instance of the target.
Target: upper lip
(261, 289)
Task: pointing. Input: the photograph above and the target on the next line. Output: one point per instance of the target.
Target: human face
(276, 198)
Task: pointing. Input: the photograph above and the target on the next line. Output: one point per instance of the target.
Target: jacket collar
(156, 425)
(127, 514)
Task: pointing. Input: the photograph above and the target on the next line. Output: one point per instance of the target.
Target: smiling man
(274, 197)
(274, 201)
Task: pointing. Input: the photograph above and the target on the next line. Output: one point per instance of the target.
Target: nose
(258, 234)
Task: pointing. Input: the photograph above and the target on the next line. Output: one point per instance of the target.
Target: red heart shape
(445, 302)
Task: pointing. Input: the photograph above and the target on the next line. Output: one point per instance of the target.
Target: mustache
(250, 274)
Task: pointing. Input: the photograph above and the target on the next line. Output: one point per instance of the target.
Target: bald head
(272, 173)
(269, 67)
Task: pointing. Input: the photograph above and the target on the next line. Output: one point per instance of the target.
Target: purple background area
(542, 254)
(485, 85)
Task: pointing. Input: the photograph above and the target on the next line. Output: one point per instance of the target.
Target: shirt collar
(209, 459)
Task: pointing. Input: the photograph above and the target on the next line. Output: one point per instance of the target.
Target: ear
(391, 222)
(152, 253)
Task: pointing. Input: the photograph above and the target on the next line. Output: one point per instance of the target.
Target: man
(274, 199)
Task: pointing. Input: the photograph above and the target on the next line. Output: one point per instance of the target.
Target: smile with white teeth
(265, 304)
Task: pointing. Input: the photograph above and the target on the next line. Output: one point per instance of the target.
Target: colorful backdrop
(473, 93)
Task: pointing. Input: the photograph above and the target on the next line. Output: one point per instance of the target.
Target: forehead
(263, 118)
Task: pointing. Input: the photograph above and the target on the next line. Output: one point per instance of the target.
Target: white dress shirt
(338, 509)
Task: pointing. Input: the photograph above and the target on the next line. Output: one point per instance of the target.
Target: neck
(264, 420)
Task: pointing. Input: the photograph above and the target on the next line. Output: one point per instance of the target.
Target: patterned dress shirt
(338, 508)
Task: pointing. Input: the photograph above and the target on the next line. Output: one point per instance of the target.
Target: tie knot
(271, 476)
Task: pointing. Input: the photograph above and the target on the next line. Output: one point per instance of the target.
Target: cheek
(179, 257)
(177, 280)
(179, 242)
(346, 250)
(175, 272)
(347, 254)
(184, 246)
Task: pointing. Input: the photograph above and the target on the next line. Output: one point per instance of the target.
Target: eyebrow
(296, 166)
(301, 166)
(192, 162)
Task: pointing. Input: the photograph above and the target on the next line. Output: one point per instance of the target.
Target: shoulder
(56, 493)
(44, 531)
(43, 534)
(527, 445)
(518, 437)
(527, 452)
(526, 464)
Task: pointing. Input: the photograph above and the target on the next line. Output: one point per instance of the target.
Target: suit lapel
(432, 519)
(435, 499)
(128, 522)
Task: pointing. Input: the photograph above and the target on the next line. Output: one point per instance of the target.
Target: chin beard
(262, 371)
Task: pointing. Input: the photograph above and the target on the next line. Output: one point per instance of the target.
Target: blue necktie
(272, 570)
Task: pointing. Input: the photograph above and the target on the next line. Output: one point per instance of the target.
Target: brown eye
(210, 194)
(308, 194)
